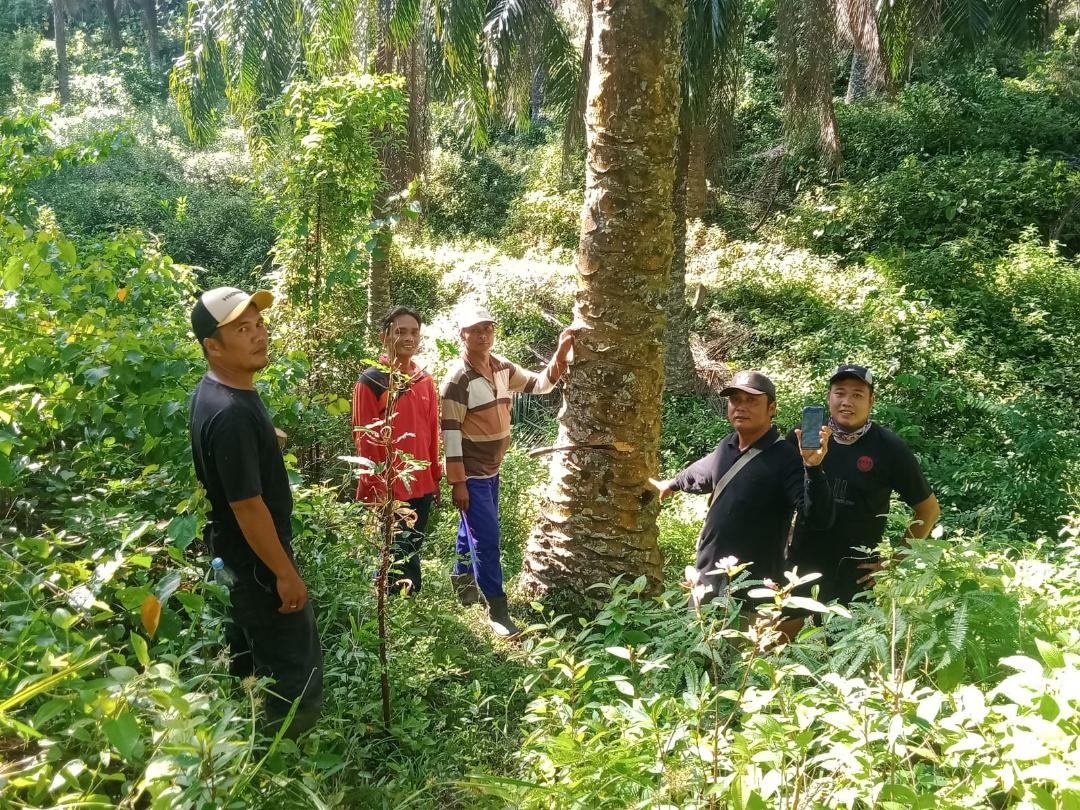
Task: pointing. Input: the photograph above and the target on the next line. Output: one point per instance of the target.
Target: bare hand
(665, 488)
(562, 353)
(460, 497)
(293, 593)
(813, 456)
(438, 497)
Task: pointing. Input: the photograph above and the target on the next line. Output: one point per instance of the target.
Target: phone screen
(813, 418)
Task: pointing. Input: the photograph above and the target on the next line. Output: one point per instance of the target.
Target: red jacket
(415, 431)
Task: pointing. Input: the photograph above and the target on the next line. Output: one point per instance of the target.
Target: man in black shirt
(865, 465)
(756, 481)
(239, 462)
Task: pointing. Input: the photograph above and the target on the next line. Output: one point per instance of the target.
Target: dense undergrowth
(944, 257)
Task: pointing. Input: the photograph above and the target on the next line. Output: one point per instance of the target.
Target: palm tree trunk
(867, 77)
(148, 8)
(60, 38)
(394, 162)
(829, 134)
(856, 85)
(678, 361)
(696, 186)
(598, 519)
(115, 38)
(573, 129)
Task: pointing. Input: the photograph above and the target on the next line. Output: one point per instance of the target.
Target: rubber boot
(499, 618)
(465, 588)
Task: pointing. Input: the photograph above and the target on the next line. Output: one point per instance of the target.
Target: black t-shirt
(237, 457)
(862, 477)
(751, 518)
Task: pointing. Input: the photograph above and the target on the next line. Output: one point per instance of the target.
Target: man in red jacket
(414, 421)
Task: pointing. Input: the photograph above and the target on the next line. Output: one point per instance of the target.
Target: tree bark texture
(867, 78)
(115, 38)
(696, 185)
(60, 38)
(598, 518)
(678, 361)
(400, 165)
(148, 8)
(856, 85)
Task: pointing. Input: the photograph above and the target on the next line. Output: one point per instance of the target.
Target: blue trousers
(478, 537)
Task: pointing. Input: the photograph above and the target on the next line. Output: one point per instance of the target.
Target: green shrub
(921, 202)
(221, 227)
(966, 112)
(651, 704)
(470, 194)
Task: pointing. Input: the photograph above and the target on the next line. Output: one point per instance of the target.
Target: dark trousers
(281, 646)
(408, 542)
(478, 537)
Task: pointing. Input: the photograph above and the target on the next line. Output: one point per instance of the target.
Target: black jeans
(405, 560)
(281, 646)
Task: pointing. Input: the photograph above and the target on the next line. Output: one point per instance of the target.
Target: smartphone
(813, 418)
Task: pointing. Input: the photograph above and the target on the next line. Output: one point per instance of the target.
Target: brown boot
(465, 587)
(499, 618)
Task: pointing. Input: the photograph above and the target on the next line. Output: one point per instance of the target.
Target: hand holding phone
(813, 419)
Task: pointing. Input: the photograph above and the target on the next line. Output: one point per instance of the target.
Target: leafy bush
(470, 194)
(645, 706)
(222, 227)
(966, 111)
(950, 196)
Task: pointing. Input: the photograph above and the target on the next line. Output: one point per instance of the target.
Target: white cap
(222, 305)
(471, 315)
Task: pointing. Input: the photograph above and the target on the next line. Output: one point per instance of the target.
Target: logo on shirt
(865, 464)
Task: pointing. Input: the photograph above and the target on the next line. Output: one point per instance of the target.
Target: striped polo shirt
(476, 415)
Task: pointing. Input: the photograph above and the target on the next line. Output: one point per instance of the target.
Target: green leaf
(1051, 655)
(181, 530)
(142, 651)
(167, 586)
(806, 604)
(67, 251)
(95, 375)
(13, 271)
(123, 734)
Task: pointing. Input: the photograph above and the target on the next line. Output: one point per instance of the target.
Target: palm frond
(197, 80)
(968, 20)
(806, 39)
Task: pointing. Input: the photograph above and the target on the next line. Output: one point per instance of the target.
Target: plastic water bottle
(222, 574)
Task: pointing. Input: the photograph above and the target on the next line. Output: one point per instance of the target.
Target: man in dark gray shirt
(238, 460)
(757, 482)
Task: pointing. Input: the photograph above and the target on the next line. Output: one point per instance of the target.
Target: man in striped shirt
(476, 434)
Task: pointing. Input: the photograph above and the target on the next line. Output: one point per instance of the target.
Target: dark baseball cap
(752, 382)
(850, 371)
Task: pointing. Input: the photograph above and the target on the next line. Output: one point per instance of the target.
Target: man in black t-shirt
(238, 460)
(755, 482)
(865, 464)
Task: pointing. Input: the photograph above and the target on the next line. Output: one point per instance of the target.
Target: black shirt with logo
(236, 455)
(751, 518)
(862, 477)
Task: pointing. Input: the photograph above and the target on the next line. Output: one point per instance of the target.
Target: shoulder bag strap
(735, 469)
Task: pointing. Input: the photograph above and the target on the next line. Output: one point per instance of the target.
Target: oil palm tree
(471, 52)
(594, 522)
(709, 47)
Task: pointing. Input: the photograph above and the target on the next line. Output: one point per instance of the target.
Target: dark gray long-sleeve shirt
(751, 518)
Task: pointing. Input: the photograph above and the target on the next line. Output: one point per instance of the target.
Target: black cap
(752, 382)
(850, 371)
